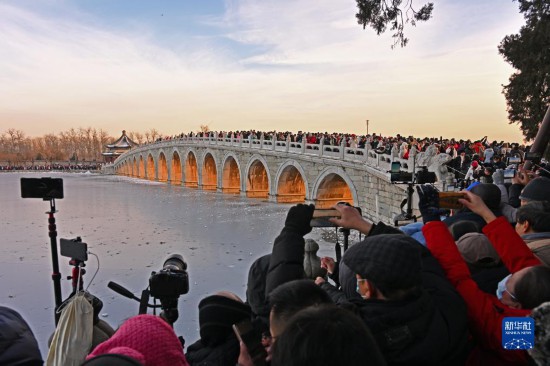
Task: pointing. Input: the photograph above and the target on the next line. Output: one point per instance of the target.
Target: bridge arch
(175, 168)
(162, 168)
(150, 171)
(291, 183)
(191, 170)
(258, 179)
(209, 172)
(231, 174)
(141, 173)
(334, 185)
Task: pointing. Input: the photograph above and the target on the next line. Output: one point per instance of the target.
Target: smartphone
(450, 200)
(395, 167)
(74, 249)
(510, 173)
(321, 217)
(246, 333)
(45, 188)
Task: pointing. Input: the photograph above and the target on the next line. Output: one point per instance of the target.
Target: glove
(498, 176)
(428, 203)
(298, 218)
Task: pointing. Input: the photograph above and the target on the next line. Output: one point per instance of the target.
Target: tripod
(406, 215)
(56, 276)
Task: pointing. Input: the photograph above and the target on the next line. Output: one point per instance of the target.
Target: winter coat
(485, 311)
(18, 345)
(255, 288)
(287, 260)
(225, 354)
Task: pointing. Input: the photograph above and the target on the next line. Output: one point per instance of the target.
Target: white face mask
(502, 286)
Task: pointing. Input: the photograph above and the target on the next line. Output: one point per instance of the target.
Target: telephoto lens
(175, 262)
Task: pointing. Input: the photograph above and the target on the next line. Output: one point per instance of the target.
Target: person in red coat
(528, 286)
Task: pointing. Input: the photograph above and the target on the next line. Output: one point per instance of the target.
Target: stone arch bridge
(278, 171)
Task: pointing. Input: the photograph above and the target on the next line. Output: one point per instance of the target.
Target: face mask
(502, 286)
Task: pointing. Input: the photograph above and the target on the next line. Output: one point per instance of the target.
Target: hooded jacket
(18, 345)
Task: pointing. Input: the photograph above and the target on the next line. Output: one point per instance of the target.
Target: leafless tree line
(80, 144)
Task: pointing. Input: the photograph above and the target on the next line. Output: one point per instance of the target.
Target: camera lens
(175, 262)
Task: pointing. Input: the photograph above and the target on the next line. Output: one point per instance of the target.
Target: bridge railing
(359, 155)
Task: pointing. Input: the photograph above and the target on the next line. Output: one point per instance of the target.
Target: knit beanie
(476, 248)
(392, 260)
(146, 338)
(217, 314)
(537, 190)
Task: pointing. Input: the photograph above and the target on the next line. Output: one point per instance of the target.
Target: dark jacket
(225, 354)
(427, 328)
(18, 345)
(287, 260)
(256, 288)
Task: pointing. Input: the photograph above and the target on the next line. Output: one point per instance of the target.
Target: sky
(174, 65)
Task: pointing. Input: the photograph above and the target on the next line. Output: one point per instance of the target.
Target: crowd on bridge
(467, 287)
(469, 160)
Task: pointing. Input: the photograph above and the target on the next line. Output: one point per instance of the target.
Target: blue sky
(283, 65)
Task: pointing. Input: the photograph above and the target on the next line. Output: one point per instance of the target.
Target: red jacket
(485, 311)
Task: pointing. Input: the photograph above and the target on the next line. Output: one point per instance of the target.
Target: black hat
(489, 193)
(217, 314)
(536, 190)
(392, 260)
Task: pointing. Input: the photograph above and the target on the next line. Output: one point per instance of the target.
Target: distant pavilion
(114, 150)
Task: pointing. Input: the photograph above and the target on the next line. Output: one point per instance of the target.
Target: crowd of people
(469, 160)
(431, 293)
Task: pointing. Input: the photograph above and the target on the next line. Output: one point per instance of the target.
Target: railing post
(322, 146)
(274, 140)
(342, 149)
(262, 140)
(303, 146)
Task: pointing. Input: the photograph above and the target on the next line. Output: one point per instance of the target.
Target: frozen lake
(132, 225)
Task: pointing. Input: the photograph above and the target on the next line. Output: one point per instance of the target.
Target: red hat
(475, 163)
(147, 339)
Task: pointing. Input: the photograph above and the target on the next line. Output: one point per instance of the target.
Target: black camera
(396, 175)
(45, 188)
(171, 281)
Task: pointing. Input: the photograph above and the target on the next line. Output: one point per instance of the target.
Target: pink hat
(147, 339)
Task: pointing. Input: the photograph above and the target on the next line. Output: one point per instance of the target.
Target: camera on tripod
(423, 176)
(172, 280)
(165, 285)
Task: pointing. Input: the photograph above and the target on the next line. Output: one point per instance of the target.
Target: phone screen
(395, 167)
(509, 173)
